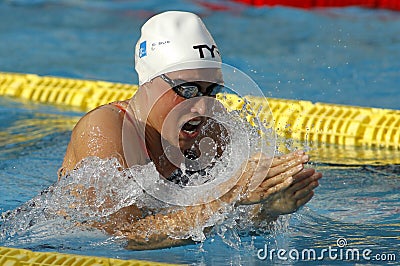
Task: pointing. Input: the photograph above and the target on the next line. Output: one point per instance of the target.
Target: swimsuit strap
(122, 106)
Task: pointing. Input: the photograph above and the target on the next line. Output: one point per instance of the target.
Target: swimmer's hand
(296, 195)
(281, 184)
(262, 177)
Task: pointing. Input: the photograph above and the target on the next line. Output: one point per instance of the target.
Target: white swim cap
(172, 41)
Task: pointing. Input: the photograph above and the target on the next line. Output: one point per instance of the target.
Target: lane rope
(299, 120)
(23, 257)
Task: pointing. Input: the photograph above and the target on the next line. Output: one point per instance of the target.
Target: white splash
(99, 188)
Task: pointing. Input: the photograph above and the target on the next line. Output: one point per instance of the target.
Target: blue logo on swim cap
(142, 49)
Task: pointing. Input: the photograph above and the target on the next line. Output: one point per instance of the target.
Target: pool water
(343, 56)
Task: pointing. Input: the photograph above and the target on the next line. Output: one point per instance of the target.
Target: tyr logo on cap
(210, 49)
(142, 49)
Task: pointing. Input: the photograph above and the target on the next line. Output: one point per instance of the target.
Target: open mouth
(191, 126)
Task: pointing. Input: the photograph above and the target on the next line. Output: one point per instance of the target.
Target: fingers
(273, 185)
(278, 160)
(292, 167)
(284, 163)
(305, 173)
(285, 177)
(279, 164)
(303, 188)
(305, 194)
(271, 180)
(304, 200)
(282, 176)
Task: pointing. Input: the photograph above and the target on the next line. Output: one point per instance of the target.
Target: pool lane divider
(23, 257)
(293, 119)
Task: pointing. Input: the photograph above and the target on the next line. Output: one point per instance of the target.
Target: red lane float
(387, 4)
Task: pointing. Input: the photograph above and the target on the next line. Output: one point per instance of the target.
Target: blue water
(345, 56)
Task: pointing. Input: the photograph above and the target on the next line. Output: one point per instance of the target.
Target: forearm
(178, 227)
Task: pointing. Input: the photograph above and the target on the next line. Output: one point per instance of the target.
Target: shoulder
(103, 117)
(98, 133)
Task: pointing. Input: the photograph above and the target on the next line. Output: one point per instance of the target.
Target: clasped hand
(280, 184)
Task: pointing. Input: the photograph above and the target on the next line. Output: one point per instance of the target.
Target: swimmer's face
(179, 119)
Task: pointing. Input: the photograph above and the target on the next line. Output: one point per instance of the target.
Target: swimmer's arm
(167, 230)
(98, 133)
(175, 227)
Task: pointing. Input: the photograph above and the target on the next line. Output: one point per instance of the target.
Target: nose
(199, 106)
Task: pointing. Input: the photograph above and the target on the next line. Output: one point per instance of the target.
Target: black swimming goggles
(189, 90)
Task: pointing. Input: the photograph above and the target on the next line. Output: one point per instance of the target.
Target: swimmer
(179, 68)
